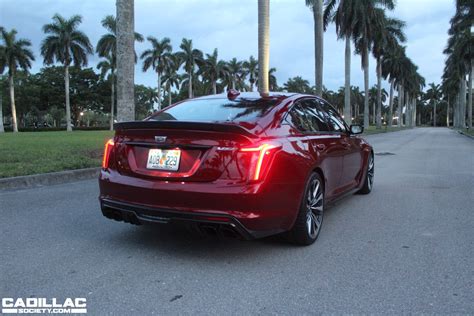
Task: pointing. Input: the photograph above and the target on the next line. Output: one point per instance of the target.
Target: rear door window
(335, 122)
(306, 116)
(316, 115)
(298, 118)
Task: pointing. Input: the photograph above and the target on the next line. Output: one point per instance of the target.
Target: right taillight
(260, 159)
(109, 147)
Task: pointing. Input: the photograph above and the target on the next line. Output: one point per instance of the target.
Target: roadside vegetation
(40, 152)
(68, 93)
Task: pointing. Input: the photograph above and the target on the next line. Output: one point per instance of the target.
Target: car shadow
(176, 240)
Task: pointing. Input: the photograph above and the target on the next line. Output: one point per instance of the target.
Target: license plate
(163, 159)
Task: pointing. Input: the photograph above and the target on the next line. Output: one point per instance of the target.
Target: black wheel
(369, 178)
(310, 217)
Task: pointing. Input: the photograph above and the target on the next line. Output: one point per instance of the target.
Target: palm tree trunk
(318, 45)
(112, 103)
(347, 82)
(158, 94)
(12, 102)
(407, 110)
(434, 113)
(125, 60)
(214, 87)
(68, 105)
(390, 105)
(378, 119)
(373, 111)
(263, 45)
(366, 86)
(400, 105)
(406, 102)
(455, 112)
(469, 104)
(447, 113)
(462, 116)
(190, 84)
(2, 128)
(169, 95)
(233, 82)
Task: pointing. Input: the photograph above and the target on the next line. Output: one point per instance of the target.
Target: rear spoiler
(200, 126)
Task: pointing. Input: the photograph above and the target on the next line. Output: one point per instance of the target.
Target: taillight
(260, 159)
(109, 146)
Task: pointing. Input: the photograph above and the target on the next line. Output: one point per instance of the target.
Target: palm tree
(273, 85)
(189, 56)
(235, 69)
(171, 78)
(107, 47)
(272, 79)
(125, 60)
(107, 72)
(107, 44)
(386, 39)
(2, 69)
(342, 18)
(391, 67)
(251, 68)
(366, 19)
(263, 45)
(158, 58)
(298, 85)
(460, 60)
(433, 95)
(14, 53)
(213, 69)
(317, 8)
(67, 45)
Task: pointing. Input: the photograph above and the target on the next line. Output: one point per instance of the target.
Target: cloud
(231, 26)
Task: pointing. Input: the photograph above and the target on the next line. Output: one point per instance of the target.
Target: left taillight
(108, 150)
(260, 159)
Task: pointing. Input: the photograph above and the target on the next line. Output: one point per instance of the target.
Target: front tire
(310, 216)
(369, 177)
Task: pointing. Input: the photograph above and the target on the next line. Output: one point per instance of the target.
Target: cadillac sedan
(236, 163)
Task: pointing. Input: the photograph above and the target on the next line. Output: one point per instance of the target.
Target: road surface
(408, 247)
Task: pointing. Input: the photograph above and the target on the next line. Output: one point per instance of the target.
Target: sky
(231, 27)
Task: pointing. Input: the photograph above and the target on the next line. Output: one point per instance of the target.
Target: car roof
(249, 95)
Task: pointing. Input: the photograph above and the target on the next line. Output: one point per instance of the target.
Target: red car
(239, 163)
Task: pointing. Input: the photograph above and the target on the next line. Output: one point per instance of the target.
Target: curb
(467, 135)
(44, 179)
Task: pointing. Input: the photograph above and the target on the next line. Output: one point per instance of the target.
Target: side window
(335, 122)
(297, 118)
(316, 115)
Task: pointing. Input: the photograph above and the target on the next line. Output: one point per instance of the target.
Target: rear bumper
(139, 215)
(253, 211)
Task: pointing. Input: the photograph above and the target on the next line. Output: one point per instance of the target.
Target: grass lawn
(39, 152)
(468, 131)
(385, 129)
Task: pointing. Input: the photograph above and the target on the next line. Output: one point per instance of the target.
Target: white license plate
(163, 159)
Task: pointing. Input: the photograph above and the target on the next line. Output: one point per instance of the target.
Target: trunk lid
(207, 151)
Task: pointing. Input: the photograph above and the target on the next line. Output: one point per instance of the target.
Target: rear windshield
(217, 110)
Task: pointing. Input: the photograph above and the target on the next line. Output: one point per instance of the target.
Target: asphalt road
(408, 247)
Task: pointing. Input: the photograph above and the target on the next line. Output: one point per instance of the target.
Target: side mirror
(357, 129)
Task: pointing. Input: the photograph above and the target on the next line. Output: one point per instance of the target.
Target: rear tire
(308, 223)
(369, 177)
